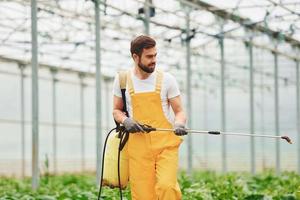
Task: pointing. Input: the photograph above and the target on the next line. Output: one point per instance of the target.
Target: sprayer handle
(214, 132)
(147, 128)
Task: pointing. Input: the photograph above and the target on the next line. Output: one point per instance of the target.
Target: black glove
(179, 129)
(132, 126)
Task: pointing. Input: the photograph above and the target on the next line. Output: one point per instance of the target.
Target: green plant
(199, 186)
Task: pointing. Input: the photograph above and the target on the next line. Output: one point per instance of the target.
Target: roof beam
(241, 20)
(43, 65)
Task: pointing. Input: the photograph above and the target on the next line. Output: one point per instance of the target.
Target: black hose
(104, 148)
(119, 176)
(124, 135)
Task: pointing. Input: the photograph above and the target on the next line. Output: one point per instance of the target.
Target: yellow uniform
(153, 157)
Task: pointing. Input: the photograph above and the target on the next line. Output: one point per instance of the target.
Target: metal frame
(35, 100)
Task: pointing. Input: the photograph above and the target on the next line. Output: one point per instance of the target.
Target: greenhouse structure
(236, 63)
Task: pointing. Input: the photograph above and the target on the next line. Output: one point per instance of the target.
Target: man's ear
(135, 57)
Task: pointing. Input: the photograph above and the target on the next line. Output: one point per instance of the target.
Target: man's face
(147, 61)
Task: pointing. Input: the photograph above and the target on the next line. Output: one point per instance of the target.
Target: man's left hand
(179, 129)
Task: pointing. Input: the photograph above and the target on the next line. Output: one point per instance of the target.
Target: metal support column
(147, 16)
(23, 153)
(276, 111)
(107, 110)
(35, 102)
(252, 146)
(298, 110)
(262, 117)
(223, 105)
(98, 94)
(82, 126)
(205, 120)
(54, 120)
(188, 90)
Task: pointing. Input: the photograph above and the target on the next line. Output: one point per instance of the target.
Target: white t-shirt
(169, 89)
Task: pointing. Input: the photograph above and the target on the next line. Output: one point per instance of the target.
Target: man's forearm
(119, 116)
(180, 118)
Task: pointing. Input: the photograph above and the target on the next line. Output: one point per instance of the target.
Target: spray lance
(148, 129)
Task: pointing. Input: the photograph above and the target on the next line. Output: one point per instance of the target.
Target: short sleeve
(172, 89)
(116, 87)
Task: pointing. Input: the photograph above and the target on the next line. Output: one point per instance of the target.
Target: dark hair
(141, 42)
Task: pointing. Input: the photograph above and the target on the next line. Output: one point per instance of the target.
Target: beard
(146, 68)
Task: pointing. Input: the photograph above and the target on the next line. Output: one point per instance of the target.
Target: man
(153, 157)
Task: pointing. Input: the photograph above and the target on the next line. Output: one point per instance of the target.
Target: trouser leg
(167, 187)
(141, 169)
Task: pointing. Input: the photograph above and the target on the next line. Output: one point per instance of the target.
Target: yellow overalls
(153, 157)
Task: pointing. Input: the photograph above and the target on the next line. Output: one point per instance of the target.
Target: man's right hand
(132, 126)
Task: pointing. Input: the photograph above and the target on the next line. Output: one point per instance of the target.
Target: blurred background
(236, 61)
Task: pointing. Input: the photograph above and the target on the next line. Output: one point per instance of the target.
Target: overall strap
(159, 78)
(124, 136)
(130, 84)
(122, 81)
